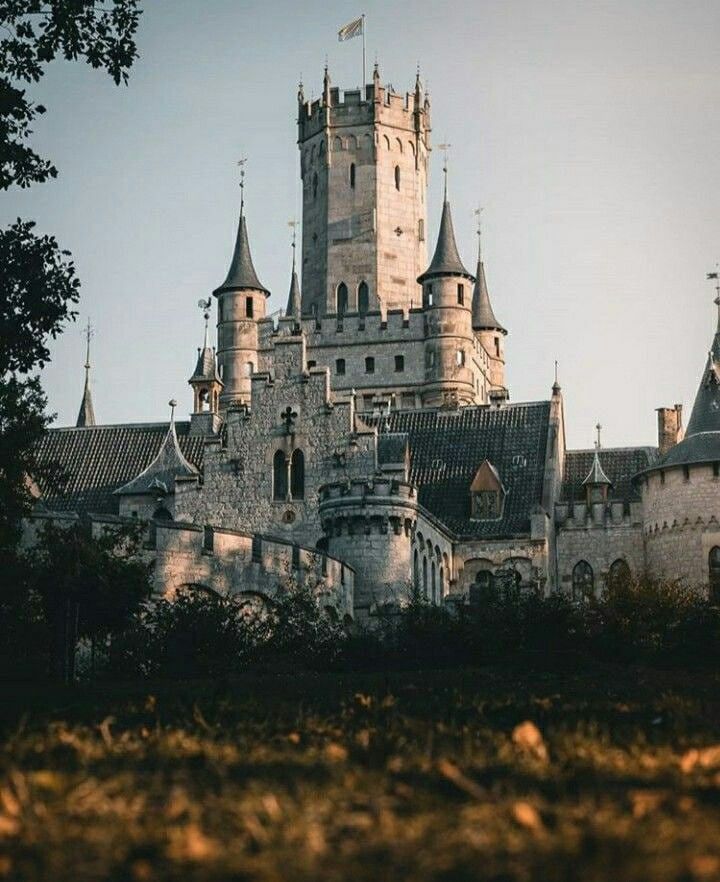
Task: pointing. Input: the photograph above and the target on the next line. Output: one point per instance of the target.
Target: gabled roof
(446, 447)
(97, 460)
(446, 260)
(596, 475)
(483, 317)
(487, 476)
(160, 474)
(242, 273)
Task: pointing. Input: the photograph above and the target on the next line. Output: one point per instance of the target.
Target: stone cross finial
(288, 416)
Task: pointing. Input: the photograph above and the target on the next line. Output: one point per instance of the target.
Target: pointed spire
(556, 387)
(294, 296)
(483, 317)
(326, 86)
(242, 272)
(705, 416)
(446, 260)
(86, 414)
(596, 475)
(206, 366)
(169, 464)
(301, 92)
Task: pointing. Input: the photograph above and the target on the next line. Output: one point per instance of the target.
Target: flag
(713, 275)
(352, 29)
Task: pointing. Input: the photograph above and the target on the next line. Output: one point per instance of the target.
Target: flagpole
(362, 89)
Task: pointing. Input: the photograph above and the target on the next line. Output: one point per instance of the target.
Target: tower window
(363, 298)
(340, 366)
(429, 296)
(249, 307)
(497, 347)
(397, 177)
(369, 365)
(460, 358)
(279, 476)
(399, 364)
(342, 298)
(421, 230)
(297, 475)
(583, 580)
(461, 294)
(352, 175)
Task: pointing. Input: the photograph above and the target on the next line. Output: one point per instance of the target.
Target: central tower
(363, 162)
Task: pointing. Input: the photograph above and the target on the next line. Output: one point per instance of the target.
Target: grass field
(610, 774)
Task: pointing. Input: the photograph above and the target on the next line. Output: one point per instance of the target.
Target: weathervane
(241, 163)
(88, 333)
(293, 224)
(445, 148)
(478, 214)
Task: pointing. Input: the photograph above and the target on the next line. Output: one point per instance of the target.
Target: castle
(366, 440)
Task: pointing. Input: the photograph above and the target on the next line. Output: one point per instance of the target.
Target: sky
(588, 131)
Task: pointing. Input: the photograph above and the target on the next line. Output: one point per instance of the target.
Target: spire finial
(205, 306)
(88, 333)
(173, 404)
(445, 149)
(241, 164)
(556, 373)
(598, 428)
(293, 224)
(478, 214)
(715, 276)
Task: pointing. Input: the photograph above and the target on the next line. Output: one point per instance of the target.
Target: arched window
(424, 584)
(583, 580)
(340, 366)
(297, 475)
(279, 476)
(714, 567)
(397, 177)
(249, 307)
(416, 573)
(363, 298)
(352, 175)
(441, 581)
(619, 574)
(342, 298)
(433, 585)
(315, 185)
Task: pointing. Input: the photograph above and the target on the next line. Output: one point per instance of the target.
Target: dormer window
(487, 494)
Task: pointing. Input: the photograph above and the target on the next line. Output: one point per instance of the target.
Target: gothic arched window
(363, 298)
(397, 177)
(433, 584)
(424, 577)
(352, 175)
(619, 574)
(416, 571)
(297, 475)
(583, 580)
(714, 567)
(279, 476)
(342, 298)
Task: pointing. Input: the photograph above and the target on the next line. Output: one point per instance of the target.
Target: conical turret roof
(294, 297)
(483, 317)
(206, 367)
(242, 272)
(446, 260)
(702, 437)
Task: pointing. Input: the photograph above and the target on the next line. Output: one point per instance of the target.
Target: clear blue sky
(588, 130)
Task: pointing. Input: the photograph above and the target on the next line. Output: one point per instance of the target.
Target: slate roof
(446, 260)
(242, 272)
(206, 366)
(447, 448)
(596, 475)
(86, 414)
(97, 460)
(162, 471)
(619, 465)
(483, 317)
(294, 297)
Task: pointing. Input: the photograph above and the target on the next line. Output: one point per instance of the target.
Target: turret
(241, 303)
(449, 347)
(206, 385)
(489, 331)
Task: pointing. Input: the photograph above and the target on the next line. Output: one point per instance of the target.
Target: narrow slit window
(352, 175)
(249, 307)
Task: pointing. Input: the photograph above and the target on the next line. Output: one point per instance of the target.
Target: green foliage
(37, 31)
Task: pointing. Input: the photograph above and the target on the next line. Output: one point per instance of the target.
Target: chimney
(670, 427)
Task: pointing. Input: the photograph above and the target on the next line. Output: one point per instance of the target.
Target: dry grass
(612, 774)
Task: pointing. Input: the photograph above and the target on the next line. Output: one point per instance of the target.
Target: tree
(38, 285)
(90, 584)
